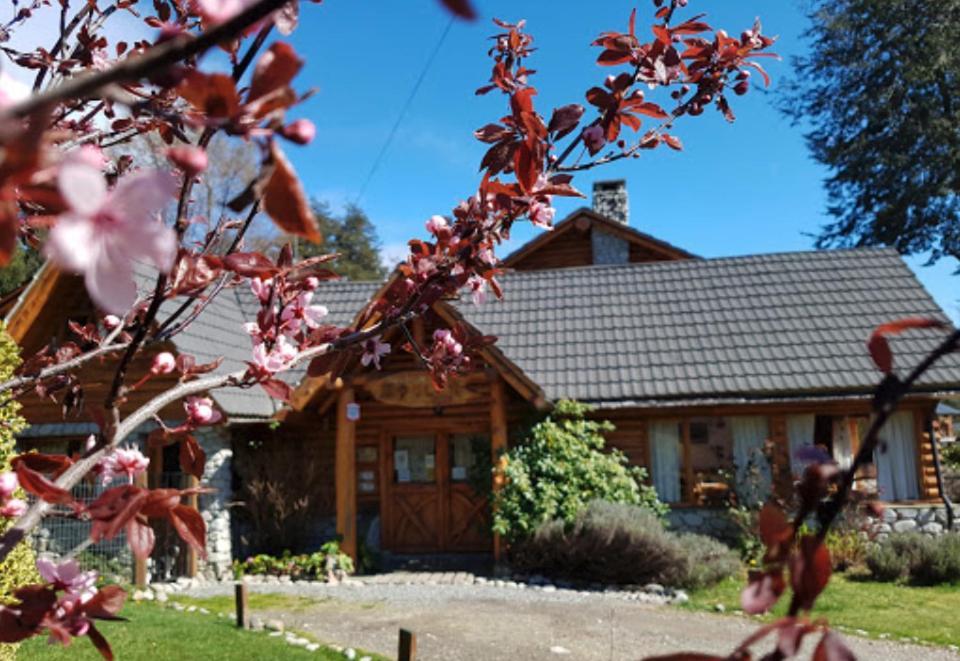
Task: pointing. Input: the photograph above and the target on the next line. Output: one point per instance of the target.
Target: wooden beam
(346, 475)
(498, 443)
(192, 501)
(687, 461)
(140, 565)
(33, 300)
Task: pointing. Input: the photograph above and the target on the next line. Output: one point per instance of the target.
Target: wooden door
(430, 504)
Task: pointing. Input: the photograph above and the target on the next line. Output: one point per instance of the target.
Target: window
(414, 460)
(467, 453)
(711, 454)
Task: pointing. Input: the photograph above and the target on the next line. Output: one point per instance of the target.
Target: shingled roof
(776, 326)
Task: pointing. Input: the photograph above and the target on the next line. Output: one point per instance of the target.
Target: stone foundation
(214, 507)
(710, 521)
(927, 519)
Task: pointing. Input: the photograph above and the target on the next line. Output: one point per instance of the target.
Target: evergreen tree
(880, 89)
(21, 268)
(353, 237)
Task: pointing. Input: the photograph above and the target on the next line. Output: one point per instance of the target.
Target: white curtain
(665, 459)
(799, 436)
(842, 443)
(897, 467)
(749, 435)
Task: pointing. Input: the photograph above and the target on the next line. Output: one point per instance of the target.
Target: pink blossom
(437, 224)
(13, 508)
(67, 577)
(302, 131)
(373, 351)
(90, 443)
(301, 310)
(312, 282)
(192, 160)
(478, 287)
(104, 232)
(487, 257)
(446, 343)
(8, 484)
(261, 288)
(163, 363)
(215, 12)
(111, 321)
(541, 214)
(200, 410)
(128, 461)
(276, 359)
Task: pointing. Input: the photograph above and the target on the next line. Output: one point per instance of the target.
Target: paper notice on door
(458, 473)
(403, 475)
(429, 461)
(401, 461)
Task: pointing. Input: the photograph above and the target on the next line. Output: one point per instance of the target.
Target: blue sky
(749, 187)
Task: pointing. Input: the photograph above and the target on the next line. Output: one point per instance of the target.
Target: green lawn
(154, 633)
(929, 614)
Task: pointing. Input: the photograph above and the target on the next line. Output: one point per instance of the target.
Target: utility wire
(403, 111)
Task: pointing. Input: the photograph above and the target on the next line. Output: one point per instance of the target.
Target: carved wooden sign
(415, 390)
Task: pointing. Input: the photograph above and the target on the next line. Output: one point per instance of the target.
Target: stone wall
(215, 507)
(711, 521)
(926, 519)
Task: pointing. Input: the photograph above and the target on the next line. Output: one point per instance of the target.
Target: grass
(156, 633)
(257, 601)
(927, 614)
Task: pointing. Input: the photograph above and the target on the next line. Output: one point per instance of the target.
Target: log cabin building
(699, 363)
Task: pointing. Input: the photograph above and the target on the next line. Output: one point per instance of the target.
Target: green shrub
(950, 455)
(19, 567)
(915, 558)
(848, 548)
(329, 560)
(618, 543)
(559, 468)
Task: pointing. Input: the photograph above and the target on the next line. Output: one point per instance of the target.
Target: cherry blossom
(478, 287)
(90, 443)
(373, 351)
(200, 410)
(301, 132)
(104, 232)
(128, 461)
(541, 214)
(446, 343)
(8, 484)
(111, 321)
(261, 288)
(192, 160)
(163, 363)
(67, 577)
(215, 12)
(276, 359)
(302, 311)
(13, 508)
(437, 224)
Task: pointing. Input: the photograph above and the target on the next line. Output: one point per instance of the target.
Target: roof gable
(569, 244)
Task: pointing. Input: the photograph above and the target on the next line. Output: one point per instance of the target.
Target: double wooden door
(430, 504)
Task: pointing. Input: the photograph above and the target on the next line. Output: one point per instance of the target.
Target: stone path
(457, 619)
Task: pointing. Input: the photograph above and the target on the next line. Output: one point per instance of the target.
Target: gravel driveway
(487, 623)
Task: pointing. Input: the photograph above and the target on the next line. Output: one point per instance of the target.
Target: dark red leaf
(277, 389)
(832, 648)
(250, 265)
(275, 69)
(285, 202)
(461, 8)
(492, 133)
(879, 347)
(191, 527)
(673, 142)
(772, 525)
(810, 570)
(140, 537)
(214, 95)
(36, 484)
(100, 643)
(192, 457)
(565, 119)
(113, 509)
(763, 592)
(106, 603)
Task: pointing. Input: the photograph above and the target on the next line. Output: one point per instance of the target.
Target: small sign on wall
(353, 411)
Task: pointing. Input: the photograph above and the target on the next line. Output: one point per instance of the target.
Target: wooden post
(192, 502)
(688, 491)
(140, 566)
(346, 475)
(243, 609)
(408, 646)
(498, 443)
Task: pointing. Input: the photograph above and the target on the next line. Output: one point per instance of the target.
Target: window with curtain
(752, 469)
(897, 466)
(800, 435)
(665, 459)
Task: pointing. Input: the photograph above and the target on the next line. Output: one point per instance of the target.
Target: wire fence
(62, 535)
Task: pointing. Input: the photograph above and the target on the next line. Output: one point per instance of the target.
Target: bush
(950, 455)
(19, 567)
(328, 561)
(559, 468)
(848, 548)
(623, 544)
(916, 558)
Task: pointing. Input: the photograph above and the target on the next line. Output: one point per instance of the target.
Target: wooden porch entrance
(430, 503)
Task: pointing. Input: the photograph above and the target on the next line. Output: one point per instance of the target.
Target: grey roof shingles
(774, 326)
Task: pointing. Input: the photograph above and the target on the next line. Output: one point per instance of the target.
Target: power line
(403, 111)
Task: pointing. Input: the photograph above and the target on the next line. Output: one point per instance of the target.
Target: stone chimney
(610, 200)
